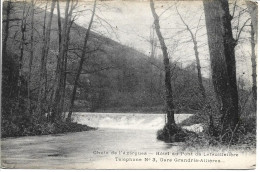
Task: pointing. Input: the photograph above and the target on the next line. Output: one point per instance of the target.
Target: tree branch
(11, 20)
(234, 8)
(241, 29)
(187, 27)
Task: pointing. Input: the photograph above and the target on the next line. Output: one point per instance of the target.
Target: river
(116, 132)
(122, 135)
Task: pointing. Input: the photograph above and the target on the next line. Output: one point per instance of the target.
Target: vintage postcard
(129, 84)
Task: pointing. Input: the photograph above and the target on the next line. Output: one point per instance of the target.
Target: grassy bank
(244, 137)
(47, 128)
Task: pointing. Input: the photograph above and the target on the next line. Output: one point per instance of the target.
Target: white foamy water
(125, 120)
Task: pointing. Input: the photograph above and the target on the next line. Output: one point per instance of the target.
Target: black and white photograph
(129, 84)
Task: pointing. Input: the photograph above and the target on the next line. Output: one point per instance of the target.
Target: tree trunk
(73, 96)
(229, 50)
(31, 55)
(63, 89)
(253, 60)
(59, 23)
(8, 11)
(167, 79)
(253, 10)
(202, 89)
(222, 57)
(59, 78)
(43, 70)
(23, 30)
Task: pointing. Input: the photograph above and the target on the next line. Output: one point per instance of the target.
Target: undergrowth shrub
(172, 133)
(243, 134)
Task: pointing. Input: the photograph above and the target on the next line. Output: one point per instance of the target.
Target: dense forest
(52, 66)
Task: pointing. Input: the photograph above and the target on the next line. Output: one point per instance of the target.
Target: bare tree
(195, 47)
(64, 67)
(56, 105)
(59, 23)
(81, 61)
(44, 56)
(167, 81)
(253, 11)
(31, 55)
(253, 60)
(6, 28)
(21, 56)
(60, 78)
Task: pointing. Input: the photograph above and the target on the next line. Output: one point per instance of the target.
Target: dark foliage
(172, 134)
(16, 120)
(209, 117)
(15, 117)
